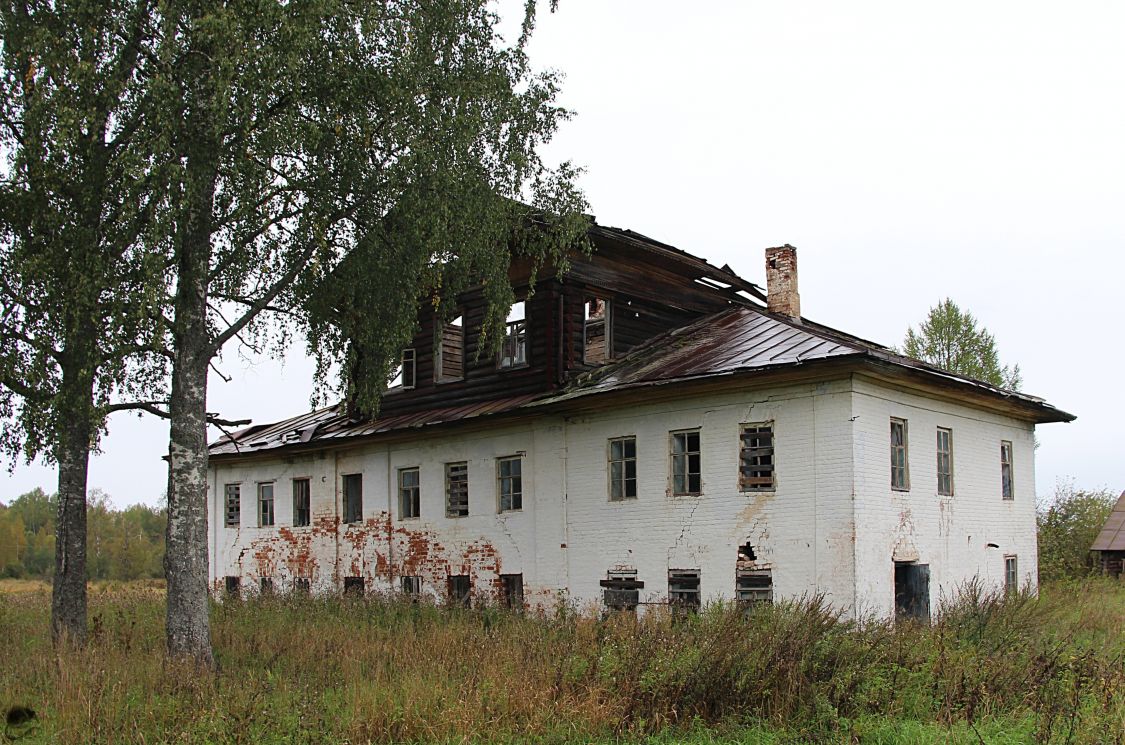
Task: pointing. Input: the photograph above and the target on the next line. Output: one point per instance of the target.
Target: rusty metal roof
(1112, 537)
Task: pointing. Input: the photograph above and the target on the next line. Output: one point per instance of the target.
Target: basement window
(512, 587)
(1007, 488)
(755, 462)
(265, 505)
(449, 351)
(513, 349)
(753, 586)
(265, 586)
(457, 489)
(622, 468)
(409, 493)
(302, 513)
(945, 462)
(509, 482)
(622, 589)
(687, 479)
(596, 349)
(353, 497)
(232, 500)
(302, 586)
(460, 590)
(404, 376)
(353, 587)
(683, 589)
(411, 586)
(1011, 573)
(233, 586)
(900, 472)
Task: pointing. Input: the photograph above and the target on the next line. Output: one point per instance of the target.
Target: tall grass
(992, 669)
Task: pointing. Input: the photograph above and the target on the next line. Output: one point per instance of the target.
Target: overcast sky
(911, 152)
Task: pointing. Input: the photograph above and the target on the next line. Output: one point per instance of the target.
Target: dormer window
(449, 351)
(513, 350)
(404, 374)
(596, 337)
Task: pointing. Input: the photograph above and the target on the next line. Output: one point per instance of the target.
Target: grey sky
(911, 152)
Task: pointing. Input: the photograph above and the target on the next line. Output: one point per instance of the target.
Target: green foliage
(1067, 525)
(950, 339)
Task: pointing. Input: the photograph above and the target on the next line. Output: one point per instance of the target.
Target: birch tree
(951, 339)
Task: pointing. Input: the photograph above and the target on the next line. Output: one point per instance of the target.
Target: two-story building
(655, 429)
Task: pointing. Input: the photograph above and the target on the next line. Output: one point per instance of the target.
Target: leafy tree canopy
(951, 339)
(1067, 526)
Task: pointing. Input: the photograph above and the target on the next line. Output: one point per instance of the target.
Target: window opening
(622, 468)
(404, 374)
(683, 588)
(301, 585)
(232, 501)
(233, 587)
(513, 350)
(686, 475)
(353, 497)
(449, 352)
(265, 505)
(460, 590)
(302, 513)
(409, 493)
(755, 469)
(622, 589)
(353, 586)
(753, 586)
(457, 489)
(596, 348)
(509, 477)
(1007, 488)
(900, 475)
(512, 586)
(411, 585)
(1011, 574)
(945, 462)
(265, 586)
(912, 592)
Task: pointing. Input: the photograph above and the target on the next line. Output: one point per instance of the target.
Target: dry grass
(994, 669)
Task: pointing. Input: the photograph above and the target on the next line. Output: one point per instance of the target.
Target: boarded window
(596, 348)
(449, 351)
(513, 349)
(302, 514)
(457, 489)
(900, 474)
(409, 493)
(1007, 487)
(353, 497)
(353, 586)
(460, 590)
(622, 468)
(232, 502)
(753, 586)
(405, 373)
(512, 587)
(686, 474)
(683, 588)
(265, 505)
(945, 461)
(1011, 574)
(233, 586)
(265, 586)
(622, 589)
(509, 482)
(411, 585)
(755, 462)
(301, 585)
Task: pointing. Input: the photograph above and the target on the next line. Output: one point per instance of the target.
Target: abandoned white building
(655, 430)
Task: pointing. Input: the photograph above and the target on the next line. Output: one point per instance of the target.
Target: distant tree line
(123, 544)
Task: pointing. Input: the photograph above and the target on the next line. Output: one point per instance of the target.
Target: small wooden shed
(1110, 543)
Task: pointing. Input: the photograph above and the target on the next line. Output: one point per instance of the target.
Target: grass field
(993, 670)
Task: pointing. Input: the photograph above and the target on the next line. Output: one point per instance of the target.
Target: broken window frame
(756, 461)
(945, 461)
(232, 505)
(354, 587)
(753, 586)
(684, 589)
(622, 590)
(1007, 472)
(900, 455)
(302, 586)
(441, 331)
(1011, 573)
(459, 590)
(511, 588)
(591, 322)
(409, 494)
(267, 514)
(622, 486)
(302, 502)
(405, 375)
(232, 585)
(352, 498)
(457, 489)
(509, 483)
(686, 482)
(513, 347)
(265, 586)
(411, 585)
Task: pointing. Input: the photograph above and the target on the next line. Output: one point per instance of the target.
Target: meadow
(992, 669)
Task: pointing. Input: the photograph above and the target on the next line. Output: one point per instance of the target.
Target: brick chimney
(781, 281)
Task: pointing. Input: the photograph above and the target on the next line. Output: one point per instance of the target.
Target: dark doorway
(912, 592)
